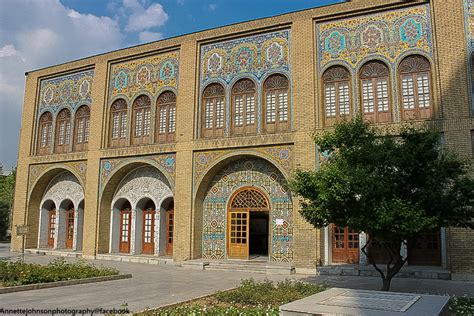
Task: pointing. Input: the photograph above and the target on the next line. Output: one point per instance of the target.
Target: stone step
(51, 252)
(435, 273)
(135, 259)
(248, 266)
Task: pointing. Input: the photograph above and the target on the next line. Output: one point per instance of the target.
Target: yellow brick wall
(451, 96)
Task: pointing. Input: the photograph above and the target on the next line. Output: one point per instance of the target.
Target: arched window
(243, 108)
(45, 133)
(376, 105)
(82, 126)
(166, 117)
(63, 131)
(118, 123)
(276, 109)
(213, 112)
(141, 126)
(415, 78)
(337, 100)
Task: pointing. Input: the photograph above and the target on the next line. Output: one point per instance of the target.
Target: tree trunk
(386, 284)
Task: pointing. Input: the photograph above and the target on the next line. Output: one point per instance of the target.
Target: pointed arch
(277, 107)
(244, 108)
(63, 132)
(213, 111)
(82, 128)
(165, 117)
(141, 120)
(45, 134)
(336, 94)
(118, 124)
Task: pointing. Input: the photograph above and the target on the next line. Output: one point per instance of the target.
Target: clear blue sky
(41, 33)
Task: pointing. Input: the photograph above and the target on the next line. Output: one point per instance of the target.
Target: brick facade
(301, 46)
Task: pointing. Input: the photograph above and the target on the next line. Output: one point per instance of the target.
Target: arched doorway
(167, 227)
(248, 224)
(125, 227)
(148, 226)
(51, 225)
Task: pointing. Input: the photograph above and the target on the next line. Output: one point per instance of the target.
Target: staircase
(247, 266)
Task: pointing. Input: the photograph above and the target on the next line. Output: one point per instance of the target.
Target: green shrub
(266, 293)
(462, 305)
(197, 310)
(20, 273)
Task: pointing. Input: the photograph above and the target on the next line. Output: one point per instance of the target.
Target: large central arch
(212, 201)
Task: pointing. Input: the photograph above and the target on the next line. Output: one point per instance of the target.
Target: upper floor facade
(266, 80)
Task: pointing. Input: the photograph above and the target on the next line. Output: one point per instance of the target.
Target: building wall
(300, 45)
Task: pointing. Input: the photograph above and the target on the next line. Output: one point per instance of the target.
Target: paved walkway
(153, 286)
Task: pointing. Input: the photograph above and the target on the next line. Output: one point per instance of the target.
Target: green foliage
(20, 273)
(461, 305)
(392, 187)
(266, 293)
(7, 192)
(250, 298)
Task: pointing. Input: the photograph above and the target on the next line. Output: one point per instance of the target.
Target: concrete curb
(38, 286)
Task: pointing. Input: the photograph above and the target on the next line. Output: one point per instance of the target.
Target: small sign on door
(21, 230)
(279, 221)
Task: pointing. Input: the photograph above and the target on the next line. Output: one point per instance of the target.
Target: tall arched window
(277, 108)
(45, 133)
(63, 131)
(166, 117)
(337, 100)
(82, 126)
(376, 105)
(243, 108)
(141, 126)
(213, 112)
(118, 123)
(415, 78)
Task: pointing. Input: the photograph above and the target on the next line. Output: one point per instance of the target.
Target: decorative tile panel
(282, 155)
(107, 166)
(150, 74)
(256, 55)
(69, 91)
(389, 35)
(36, 170)
(255, 172)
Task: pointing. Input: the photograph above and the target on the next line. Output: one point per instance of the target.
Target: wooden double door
(148, 231)
(51, 226)
(70, 228)
(345, 245)
(247, 224)
(425, 250)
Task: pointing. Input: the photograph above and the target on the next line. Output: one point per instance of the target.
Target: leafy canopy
(392, 187)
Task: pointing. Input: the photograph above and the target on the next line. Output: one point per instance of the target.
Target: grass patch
(250, 298)
(462, 305)
(20, 273)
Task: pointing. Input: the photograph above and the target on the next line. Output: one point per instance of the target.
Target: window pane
(219, 113)
(367, 96)
(250, 110)
(239, 111)
(344, 103)
(162, 119)
(115, 125)
(146, 122)
(68, 133)
(208, 115)
(62, 128)
(86, 130)
(80, 131)
(138, 122)
(423, 90)
(44, 135)
(50, 135)
(123, 127)
(271, 107)
(330, 98)
(408, 92)
(172, 121)
(382, 95)
(283, 106)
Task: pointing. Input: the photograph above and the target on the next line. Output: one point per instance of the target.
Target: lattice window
(166, 120)
(249, 198)
(415, 73)
(82, 128)
(213, 113)
(141, 120)
(118, 123)
(375, 92)
(337, 102)
(63, 131)
(277, 108)
(243, 107)
(45, 133)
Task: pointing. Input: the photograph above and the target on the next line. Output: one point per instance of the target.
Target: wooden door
(125, 223)
(148, 236)
(169, 231)
(69, 228)
(51, 226)
(238, 231)
(345, 245)
(425, 250)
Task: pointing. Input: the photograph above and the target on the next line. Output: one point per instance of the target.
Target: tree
(392, 187)
(7, 192)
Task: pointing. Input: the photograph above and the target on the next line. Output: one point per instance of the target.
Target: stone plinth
(339, 301)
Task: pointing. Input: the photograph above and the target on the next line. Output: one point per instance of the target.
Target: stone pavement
(157, 285)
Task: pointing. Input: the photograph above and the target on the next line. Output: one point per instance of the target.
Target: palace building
(181, 150)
